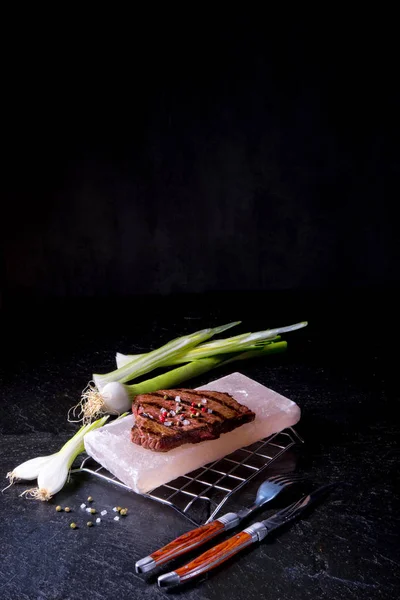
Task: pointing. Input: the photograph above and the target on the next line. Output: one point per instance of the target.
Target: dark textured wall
(236, 161)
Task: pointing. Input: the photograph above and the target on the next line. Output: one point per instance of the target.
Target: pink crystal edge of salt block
(112, 448)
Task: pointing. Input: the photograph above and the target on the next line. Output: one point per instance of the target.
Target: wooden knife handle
(215, 556)
(188, 541)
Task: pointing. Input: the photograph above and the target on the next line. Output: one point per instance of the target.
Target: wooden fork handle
(208, 560)
(187, 542)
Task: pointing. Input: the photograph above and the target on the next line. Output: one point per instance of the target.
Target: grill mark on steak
(187, 403)
(166, 398)
(222, 411)
(209, 395)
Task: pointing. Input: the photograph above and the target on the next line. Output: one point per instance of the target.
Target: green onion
(54, 474)
(245, 341)
(202, 351)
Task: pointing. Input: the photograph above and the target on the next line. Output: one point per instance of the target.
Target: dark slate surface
(339, 371)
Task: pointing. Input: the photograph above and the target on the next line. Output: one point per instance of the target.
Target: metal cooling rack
(210, 486)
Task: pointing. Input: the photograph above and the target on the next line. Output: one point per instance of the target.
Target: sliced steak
(169, 418)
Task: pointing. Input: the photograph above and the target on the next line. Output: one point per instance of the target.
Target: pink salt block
(143, 470)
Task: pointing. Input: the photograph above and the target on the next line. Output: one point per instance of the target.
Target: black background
(164, 173)
(201, 155)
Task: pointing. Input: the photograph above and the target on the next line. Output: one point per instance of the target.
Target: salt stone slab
(143, 470)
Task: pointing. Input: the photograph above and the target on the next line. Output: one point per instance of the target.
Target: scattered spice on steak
(170, 418)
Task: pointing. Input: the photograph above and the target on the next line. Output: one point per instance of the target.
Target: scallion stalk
(202, 351)
(245, 341)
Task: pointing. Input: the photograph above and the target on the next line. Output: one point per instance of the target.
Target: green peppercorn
(58, 508)
(73, 525)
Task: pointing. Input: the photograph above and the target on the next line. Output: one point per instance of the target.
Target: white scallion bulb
(29, 470)
(53, 476)
(116, 398)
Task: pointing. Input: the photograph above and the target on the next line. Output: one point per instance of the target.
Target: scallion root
(37, 494)
(11, 478)
(90, 407)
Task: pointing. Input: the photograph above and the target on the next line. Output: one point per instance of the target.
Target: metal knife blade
(294, 510)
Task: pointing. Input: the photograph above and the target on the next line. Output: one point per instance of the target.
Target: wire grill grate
(213, 484)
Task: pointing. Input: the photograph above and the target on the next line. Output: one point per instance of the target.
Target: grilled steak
(169, 418)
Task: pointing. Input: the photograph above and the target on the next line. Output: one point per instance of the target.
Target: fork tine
(291, 481)
(279, 479)
(293, 478)
(288, 474)
(276, 479)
